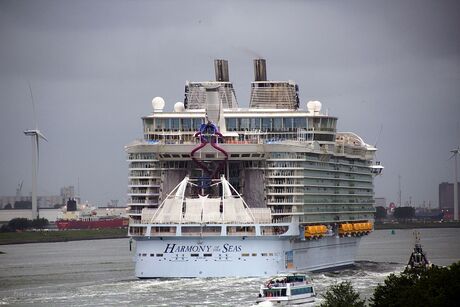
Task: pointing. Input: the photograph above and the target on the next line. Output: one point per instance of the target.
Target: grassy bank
(60, 236)
(416, 225)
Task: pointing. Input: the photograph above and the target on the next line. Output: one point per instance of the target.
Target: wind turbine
(36, 135)
(454, 155)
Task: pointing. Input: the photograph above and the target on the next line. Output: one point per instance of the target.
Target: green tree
(436, 286)
(342, 295)
(19, 224)
(39, 223)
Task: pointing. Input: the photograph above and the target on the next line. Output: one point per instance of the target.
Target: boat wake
(364, 276)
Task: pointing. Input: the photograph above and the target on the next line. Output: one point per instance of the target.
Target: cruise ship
(218, 190)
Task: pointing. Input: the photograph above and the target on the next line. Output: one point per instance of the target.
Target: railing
(134, 211)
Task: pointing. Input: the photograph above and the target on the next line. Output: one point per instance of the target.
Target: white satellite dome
(314, 106)
(179, 107)
(158, 104)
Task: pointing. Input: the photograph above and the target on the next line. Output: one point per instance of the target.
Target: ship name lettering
(174, 248)
(231, 248)
(169, 248)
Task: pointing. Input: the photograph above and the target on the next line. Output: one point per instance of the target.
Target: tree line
(20, 224)
(435, 286)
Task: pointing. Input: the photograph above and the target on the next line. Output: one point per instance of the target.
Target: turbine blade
(38, 150)
(33, 105)
(452, 155)
(40, 134)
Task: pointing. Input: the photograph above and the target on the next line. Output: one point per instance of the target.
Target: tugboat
(418, 259)
(287, 289)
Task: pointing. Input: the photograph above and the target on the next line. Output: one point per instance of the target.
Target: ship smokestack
(221, 68)
(260, 70)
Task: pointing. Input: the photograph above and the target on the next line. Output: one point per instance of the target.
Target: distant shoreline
(416, 225)
(61, 236)
(98, 234)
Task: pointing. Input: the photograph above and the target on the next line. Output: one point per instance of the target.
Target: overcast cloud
(94, 67)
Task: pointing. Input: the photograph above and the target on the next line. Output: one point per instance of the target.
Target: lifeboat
(361, 229)
(315, 231)
(346, 229)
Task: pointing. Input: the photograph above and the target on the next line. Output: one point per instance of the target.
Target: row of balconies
(335, 217)
(367, 172)
(337, 193)
(366, 179)
(142, 202)
(337, 186)
(142, 156)
(333, 202)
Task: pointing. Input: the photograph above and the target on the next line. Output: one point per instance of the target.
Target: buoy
(393, 231)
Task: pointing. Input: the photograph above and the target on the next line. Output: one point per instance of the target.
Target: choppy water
(100, 273)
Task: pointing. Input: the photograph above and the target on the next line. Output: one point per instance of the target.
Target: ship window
(243, 123)
(140, 254)
(264, 254)
(300, 122)
(207, 255)
(159, 124)
(270, 254)
(152, 255)
(175, 124)
(254, 254)
(255, 123)
(159, 255)
(301, 290)
(287, 123)
(210, 155)
(194, 255)
(143, 255)
(256, 155)
(245, 254)
(231, 124)
(277, 123)
(187, 124)
(234, 155)
(186, 156)
(266, 124)
(245, 155)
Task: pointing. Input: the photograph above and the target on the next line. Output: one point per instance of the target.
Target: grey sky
(94, 67)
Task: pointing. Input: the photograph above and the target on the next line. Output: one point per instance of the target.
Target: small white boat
(287, 289)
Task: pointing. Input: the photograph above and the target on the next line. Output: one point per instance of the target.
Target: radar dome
(314, 106)
(179, 107)
(158, 104)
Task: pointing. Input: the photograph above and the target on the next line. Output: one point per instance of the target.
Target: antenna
(19, 189)
(78, 188)
(454, 155)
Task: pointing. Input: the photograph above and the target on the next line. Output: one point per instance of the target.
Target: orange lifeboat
(315, 231)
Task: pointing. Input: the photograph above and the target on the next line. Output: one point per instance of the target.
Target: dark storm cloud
(94, 67)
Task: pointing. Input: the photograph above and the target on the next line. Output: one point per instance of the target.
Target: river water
(100, 273)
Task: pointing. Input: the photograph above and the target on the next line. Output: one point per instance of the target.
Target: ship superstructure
(307, 189)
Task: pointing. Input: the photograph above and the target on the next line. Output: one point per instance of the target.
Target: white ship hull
(243, 257)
